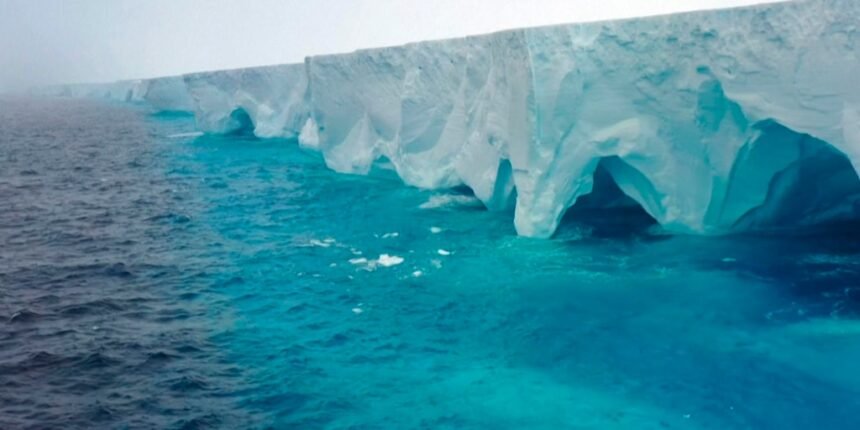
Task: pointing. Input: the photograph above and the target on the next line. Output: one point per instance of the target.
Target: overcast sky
(54, 41)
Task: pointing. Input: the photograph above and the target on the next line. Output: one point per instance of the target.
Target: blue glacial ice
(713, 121)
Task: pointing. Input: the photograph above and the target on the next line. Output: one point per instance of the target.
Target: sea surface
(151, 277)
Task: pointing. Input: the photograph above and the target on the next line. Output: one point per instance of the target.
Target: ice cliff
(712, 121)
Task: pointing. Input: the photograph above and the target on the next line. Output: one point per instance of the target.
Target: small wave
(24, 316)
(182, 135)
(324, 243)
(94, 307)
(119, 270)
(202, 422)
(441, 201)
(100, 413)
(97, 360)
(37, 360)
(158, 358)
(830, 259)
(188, 383)
(170, 217)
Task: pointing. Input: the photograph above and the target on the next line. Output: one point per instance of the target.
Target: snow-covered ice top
(712, 121)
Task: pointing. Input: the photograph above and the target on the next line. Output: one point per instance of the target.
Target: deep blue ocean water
(152, 278)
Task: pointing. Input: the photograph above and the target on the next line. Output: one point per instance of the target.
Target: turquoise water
(154, 278)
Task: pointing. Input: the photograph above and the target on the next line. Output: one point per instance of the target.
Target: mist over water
(152, 277)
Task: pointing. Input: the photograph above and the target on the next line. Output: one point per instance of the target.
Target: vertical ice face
(641, 94)
(444, 113)
(711, 121)
(267, 101)
(166, 94)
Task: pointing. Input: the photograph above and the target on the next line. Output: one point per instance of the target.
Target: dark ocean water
(150, 278)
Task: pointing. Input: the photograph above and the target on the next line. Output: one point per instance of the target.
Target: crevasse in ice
(712, 121)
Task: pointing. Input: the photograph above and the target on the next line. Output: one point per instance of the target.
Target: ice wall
(669, 101)
(272, 99)
(161, 94)
(166, 94)
(712, 121)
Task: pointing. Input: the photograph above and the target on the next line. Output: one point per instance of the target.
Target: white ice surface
(702, 118)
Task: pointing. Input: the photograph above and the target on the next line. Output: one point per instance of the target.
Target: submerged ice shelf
(711, 121)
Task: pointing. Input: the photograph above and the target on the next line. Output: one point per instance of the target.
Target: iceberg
(711, 121)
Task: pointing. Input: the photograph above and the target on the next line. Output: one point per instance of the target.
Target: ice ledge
(711, 121)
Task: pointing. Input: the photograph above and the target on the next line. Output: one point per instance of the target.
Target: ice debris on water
(386, 260)
(440, 201)
(319, 243)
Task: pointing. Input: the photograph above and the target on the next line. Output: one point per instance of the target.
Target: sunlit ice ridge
(712, 122)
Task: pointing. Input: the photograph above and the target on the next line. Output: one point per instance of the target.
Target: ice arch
(240, 123)
(607, 209)
(787, 179)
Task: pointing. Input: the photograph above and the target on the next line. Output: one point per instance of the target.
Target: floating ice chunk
(443, 252)
(319, 243)
(390, 235)
(357, 261)
(386, 260)
(182, 135)
(417, 274)
(435, 230)
(357, 310)
(439, 201)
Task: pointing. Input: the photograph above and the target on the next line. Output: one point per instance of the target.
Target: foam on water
(227, 280)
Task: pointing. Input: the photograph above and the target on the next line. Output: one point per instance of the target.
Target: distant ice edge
(712, 121)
